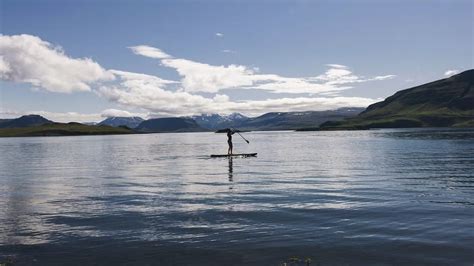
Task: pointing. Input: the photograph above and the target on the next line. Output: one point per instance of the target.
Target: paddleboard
(234, 155)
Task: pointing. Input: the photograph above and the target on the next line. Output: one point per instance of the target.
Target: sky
(82, 61)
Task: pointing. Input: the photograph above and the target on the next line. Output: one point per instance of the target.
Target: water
(385, 197)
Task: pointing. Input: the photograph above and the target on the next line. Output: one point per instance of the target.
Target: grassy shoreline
(60, 129)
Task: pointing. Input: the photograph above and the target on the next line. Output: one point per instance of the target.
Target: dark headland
(443, 103)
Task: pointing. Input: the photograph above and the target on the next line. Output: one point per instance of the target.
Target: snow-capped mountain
(216, 121)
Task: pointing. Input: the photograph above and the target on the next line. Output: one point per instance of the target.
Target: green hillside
(443, 103)
(296, 120)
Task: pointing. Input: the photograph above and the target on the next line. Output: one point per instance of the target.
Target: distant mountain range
(215, 121)
(295, 120)
(131, 122)
(275, 120)
(443, 103)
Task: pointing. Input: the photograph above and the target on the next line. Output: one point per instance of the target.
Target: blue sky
(224, 56)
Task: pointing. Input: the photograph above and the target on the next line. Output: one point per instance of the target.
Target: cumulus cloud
(27, 58)
(202, 77)
(278, 84)
(451, 72)
(228, 51)
(4, 68)
(382, 77)
(149, 92)
(339, 75)
(142, 78)
(336, 66)
(149, 51)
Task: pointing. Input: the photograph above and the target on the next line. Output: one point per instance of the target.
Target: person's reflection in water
(231, 171)
(230, 203)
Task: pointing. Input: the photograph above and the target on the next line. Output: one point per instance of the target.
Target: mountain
(443, 103)
(24, 121)
(215, 121)
(170, 124)
(115, 121)
(296, 120)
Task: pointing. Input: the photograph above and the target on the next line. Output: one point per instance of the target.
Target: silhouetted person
(229, 140)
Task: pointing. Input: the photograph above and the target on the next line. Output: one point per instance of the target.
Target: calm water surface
(386, 197)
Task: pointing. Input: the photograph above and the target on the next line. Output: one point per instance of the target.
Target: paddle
(233, 129)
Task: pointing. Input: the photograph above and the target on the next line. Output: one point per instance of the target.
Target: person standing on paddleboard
(230, 132)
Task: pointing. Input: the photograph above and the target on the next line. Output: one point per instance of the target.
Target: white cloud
(332, 81)
(149, 51)
(336, 66)
(382, 77)
(132, 76)
(7, 114)
(201, 77)
(218, 34)
(149, 92)
(228, 51)
(451, 72)
(4, 68)
(342, 75)
(277, 84)
(27, 58)
(338, 75)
